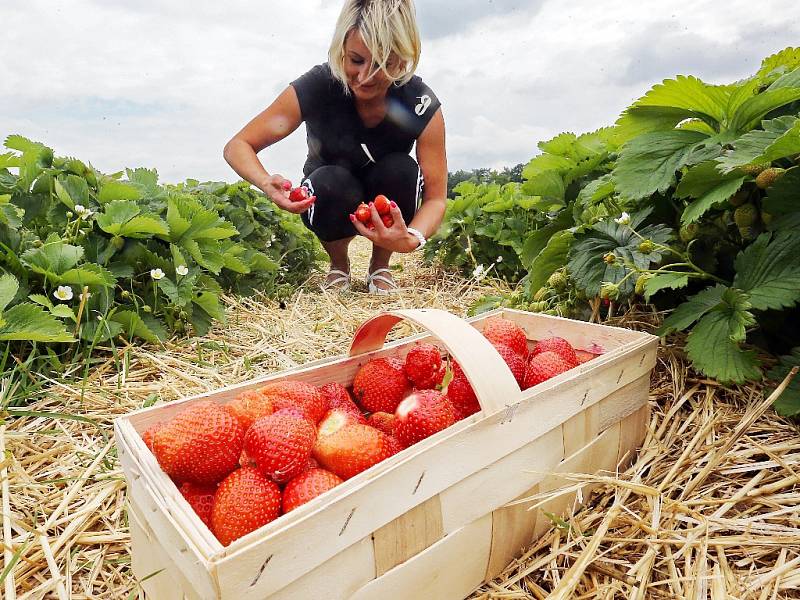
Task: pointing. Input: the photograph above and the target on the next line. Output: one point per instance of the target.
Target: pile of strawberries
(241, 465)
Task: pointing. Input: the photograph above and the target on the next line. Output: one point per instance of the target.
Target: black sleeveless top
(338, 136)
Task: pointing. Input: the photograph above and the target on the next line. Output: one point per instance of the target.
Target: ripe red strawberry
(338, 397)
(380, 384)
(387, 220)
(543, 366)
(363, 213)
(202, 444)
(149, 433)
(499, 330)
(280, 444)
(245, 460)
(245, 501)
(514, 361)
(304, 396)
(383, 421)
(201, 499)
(352, 449)
(558, 345)
(424, 366)
(461, 394)
(249, 406)
(584, 356)
(308, 486)
(299, 194)
(382, 205)
(336, 418)
(421, 415)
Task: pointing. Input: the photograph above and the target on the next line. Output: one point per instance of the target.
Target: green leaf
(42, 300)
(209, 302)
(123, 218)
(756, 146)
(552, 257)
(662, 281)
(692, 310)
(788, 404)
(118, 190)
(9, 286)
(781, 62)
(53, 258)
(705, 183)
(536, 240)
(647, 164)
(29, 322)
(135, 326)
(63, 311)
(789, 80)
(549, 184)
(783, 196)
(72, 190)
(769, 271)
(87, 274)
(713, 344)
(750, 113)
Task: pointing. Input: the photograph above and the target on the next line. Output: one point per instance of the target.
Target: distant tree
(484, 175)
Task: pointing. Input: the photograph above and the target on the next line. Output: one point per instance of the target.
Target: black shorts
(339, 191)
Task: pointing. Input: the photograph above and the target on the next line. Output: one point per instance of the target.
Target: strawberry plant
(690, 201)
(89, 256)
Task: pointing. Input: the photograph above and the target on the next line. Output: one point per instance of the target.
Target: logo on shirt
(424, 103)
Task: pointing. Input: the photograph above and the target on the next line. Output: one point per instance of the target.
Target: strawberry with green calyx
(201, 444)
(421, 415)
(543, 366)
(280, 445)
(461, 394)
(499, 330)
(755, 169)
(352, 449)
(423, 366)
(381, 384)
(558, 345)
(307, 486)
(243, 502)
(201, 499)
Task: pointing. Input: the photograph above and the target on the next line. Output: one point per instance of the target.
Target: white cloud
(166, 84)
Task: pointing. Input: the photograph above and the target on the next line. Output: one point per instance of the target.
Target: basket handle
(492, 380)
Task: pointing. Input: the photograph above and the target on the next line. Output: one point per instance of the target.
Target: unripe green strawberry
(609, 258)
(766, 217)
(755, 169)
(640, 283)
(688, 232)
(766, 178)
(646, 246)
(557, 281)
(541, 294)
(745, 216)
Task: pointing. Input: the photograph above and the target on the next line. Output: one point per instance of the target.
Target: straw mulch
(709, 508)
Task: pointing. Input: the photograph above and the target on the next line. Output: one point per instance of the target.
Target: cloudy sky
(164, 84)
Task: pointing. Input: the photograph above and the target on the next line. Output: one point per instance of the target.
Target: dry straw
(709, 509)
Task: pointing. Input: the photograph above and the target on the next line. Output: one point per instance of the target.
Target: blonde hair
(386, 26)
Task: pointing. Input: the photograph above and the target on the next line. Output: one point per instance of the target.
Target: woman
(364, 110)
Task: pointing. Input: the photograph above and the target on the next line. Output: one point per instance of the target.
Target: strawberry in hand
(384, 230)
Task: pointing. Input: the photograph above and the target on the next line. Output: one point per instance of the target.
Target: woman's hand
(395, 238)
(277, 188)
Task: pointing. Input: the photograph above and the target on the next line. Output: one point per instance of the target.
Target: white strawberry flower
(86, 295)
(499, 259)
(623, 219)
(156, 274)
(478, 272)
(182, 270)
(64, 293)
(79, 208)
(82, 211)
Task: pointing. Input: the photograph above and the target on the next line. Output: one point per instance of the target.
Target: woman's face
(357, 66)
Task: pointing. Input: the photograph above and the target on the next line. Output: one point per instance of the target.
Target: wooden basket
(429, 522)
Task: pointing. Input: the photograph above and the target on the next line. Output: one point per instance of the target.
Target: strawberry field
(690, 203)
(121, 293)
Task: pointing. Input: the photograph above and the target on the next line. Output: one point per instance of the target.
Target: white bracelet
(417, 234)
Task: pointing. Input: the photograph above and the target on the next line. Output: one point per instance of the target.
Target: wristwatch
(417, 234)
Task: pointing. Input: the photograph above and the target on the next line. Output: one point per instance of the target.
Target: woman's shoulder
(318, 75)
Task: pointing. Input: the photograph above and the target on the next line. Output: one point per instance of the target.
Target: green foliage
(666, 206)
(87, 256)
